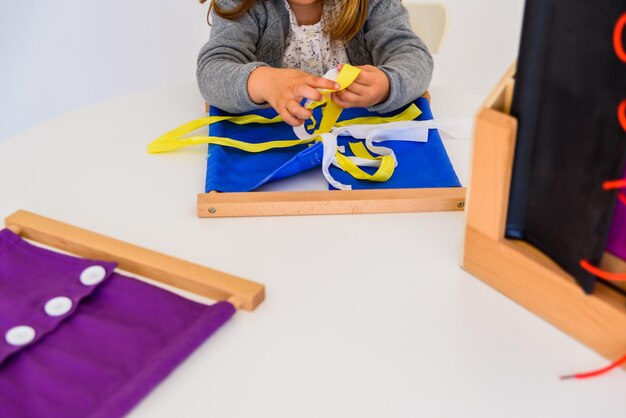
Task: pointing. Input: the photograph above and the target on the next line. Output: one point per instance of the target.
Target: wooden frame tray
(515, 268)
(204, 281)
(329, 202)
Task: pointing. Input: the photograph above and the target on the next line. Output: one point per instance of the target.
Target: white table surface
(365, 316)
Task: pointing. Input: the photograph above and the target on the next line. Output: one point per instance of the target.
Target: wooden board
(329, 202)
(160, 267)
(517, 269)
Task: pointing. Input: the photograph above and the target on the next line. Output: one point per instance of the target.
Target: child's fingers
(292, 113)
(335, 98)
(298, 111)
(288, 117)
(358, 89)
(365, 69)
(349, 98)
(323, 83)
(365, 78)
(308, 92)
(342, 101)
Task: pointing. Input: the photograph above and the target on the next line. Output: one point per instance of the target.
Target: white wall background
(59, 55)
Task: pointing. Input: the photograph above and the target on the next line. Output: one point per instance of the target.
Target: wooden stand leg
(518, 270)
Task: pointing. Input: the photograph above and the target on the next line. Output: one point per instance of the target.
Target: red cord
(621, 114)
(614, 184)
(598, 372)
(613, 277)
(618, 44)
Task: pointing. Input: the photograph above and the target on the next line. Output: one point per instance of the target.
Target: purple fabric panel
(29, 277)
(106, 355)
(617, 237)
(616, 243)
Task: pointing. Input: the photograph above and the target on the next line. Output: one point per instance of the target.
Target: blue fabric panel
(420, 164)
(233, 170)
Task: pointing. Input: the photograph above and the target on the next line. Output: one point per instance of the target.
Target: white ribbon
(412, 131)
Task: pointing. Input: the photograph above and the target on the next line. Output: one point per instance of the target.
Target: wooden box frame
(517, 269)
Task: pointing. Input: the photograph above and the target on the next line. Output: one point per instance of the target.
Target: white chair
(430, 23)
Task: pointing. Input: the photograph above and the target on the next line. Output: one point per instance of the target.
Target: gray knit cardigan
(235, 48)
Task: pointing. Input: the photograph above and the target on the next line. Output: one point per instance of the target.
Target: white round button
(58, 306)
(20, 335)
(92, 275)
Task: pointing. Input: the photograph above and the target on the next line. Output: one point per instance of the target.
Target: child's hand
(284, 90)
(370, 88)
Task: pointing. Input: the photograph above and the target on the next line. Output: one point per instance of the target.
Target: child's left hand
(370, 88)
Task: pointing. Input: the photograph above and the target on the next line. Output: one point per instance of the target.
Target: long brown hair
(349, 21)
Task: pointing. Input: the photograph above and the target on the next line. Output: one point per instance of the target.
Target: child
(273, 52)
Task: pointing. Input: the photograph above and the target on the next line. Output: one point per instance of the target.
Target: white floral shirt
(309, 48)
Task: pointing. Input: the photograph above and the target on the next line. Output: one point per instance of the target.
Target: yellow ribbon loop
(382, 174)
(346, 76)
(330, 114)
(359, 150)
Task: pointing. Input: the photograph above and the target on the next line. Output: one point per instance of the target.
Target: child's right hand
(284, 89)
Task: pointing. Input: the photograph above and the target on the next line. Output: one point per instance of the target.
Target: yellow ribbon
(383, 173)
(331, 112)
(175, 139)
(155, 148)
(409, 113)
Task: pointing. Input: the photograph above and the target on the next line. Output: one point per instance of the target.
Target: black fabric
(569, 85)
